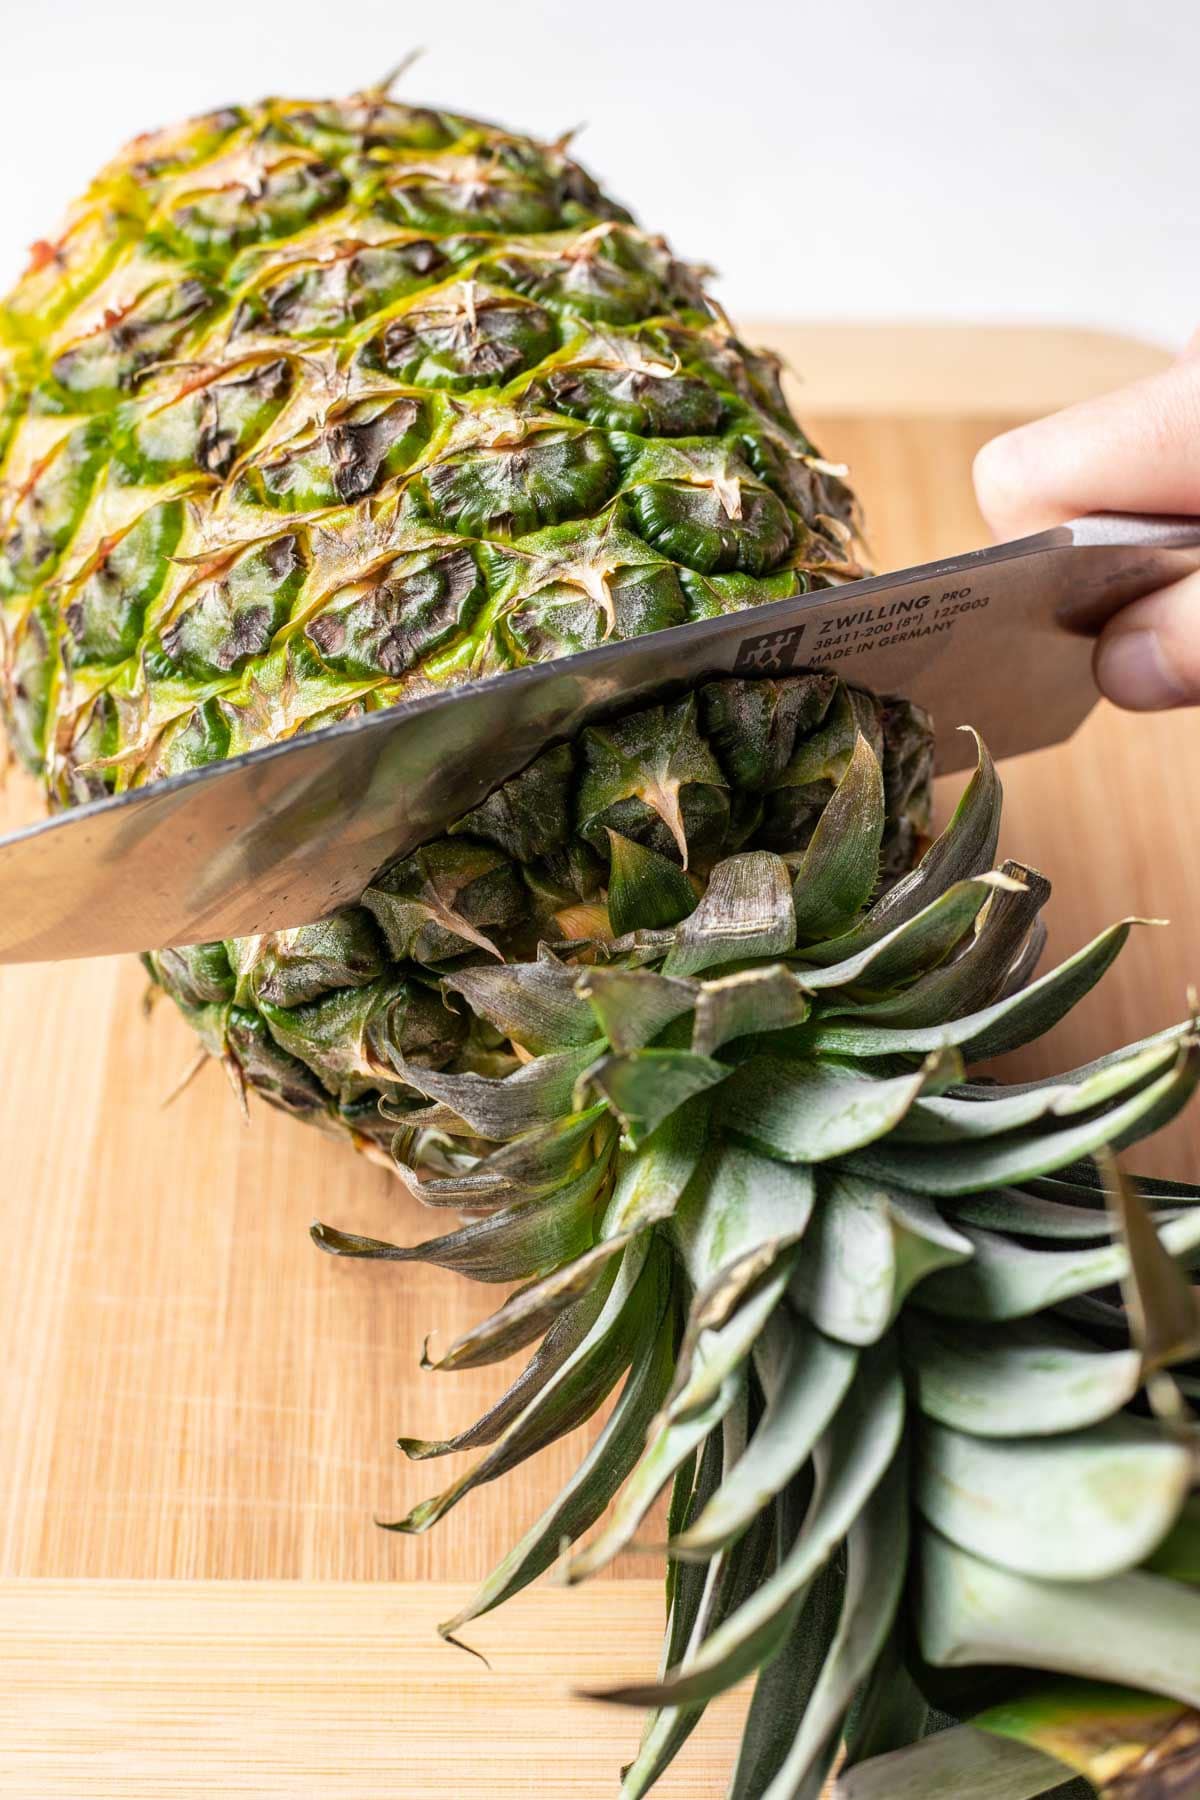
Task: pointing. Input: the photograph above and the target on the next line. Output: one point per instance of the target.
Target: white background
(847, 159)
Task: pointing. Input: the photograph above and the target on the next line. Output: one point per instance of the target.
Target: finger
(1148, 657)
(1137, 450)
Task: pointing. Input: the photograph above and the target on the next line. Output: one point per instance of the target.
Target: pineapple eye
(104, 613)
(285, 199)
(334, 1035)
(199, 973)
(529, 817)
(50, 507)
(29, 685)
(692, 525)
(750, 374)
(360, 126)
(477, 889)
(63, 273)
(586, 287)
(200, 737)
(95, 371)
(235, 616)
(208, 427)
(283, 1078)
(95, 737)
(562, 618)
(379, 275)
(178, 147)
(790, 472)
(646, 402)
(509, 492)
(652, 779)
(754, 726)
(467, 341)
(328, 296)
(454, 192)
(302, 964)
(384, 626)
(351, 457)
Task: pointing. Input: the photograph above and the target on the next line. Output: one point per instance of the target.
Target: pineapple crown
(856, 1296)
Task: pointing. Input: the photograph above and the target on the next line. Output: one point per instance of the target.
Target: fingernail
(1132, 670)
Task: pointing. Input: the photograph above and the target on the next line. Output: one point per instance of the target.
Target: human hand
(1136, 450)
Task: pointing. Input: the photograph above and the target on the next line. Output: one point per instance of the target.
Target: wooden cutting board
(198, 1411)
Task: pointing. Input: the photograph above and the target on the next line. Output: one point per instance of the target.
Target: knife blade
(281, 836)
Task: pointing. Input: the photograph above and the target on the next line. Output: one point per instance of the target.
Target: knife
(281, 836)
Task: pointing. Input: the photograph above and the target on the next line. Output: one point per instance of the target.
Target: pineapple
(314, 406)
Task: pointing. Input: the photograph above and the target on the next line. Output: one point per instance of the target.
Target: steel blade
(996, 638)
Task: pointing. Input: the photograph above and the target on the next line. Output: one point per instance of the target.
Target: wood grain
(188, 1391)
(951, 371)
(326, 1691)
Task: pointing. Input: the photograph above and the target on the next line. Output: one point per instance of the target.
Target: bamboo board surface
(190, 1393)
(161, 1690)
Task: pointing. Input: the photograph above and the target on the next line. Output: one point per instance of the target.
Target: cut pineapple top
(314, 404)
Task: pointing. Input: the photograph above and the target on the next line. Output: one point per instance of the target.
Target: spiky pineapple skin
(315, 405)
(321, 1020)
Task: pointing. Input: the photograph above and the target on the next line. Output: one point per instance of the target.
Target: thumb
(1135, 450)
(1148, 656)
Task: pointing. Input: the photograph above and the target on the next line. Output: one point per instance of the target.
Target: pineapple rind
(312, 405)
(326, 1020)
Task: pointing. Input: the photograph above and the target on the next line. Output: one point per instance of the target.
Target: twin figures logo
(770, 653)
